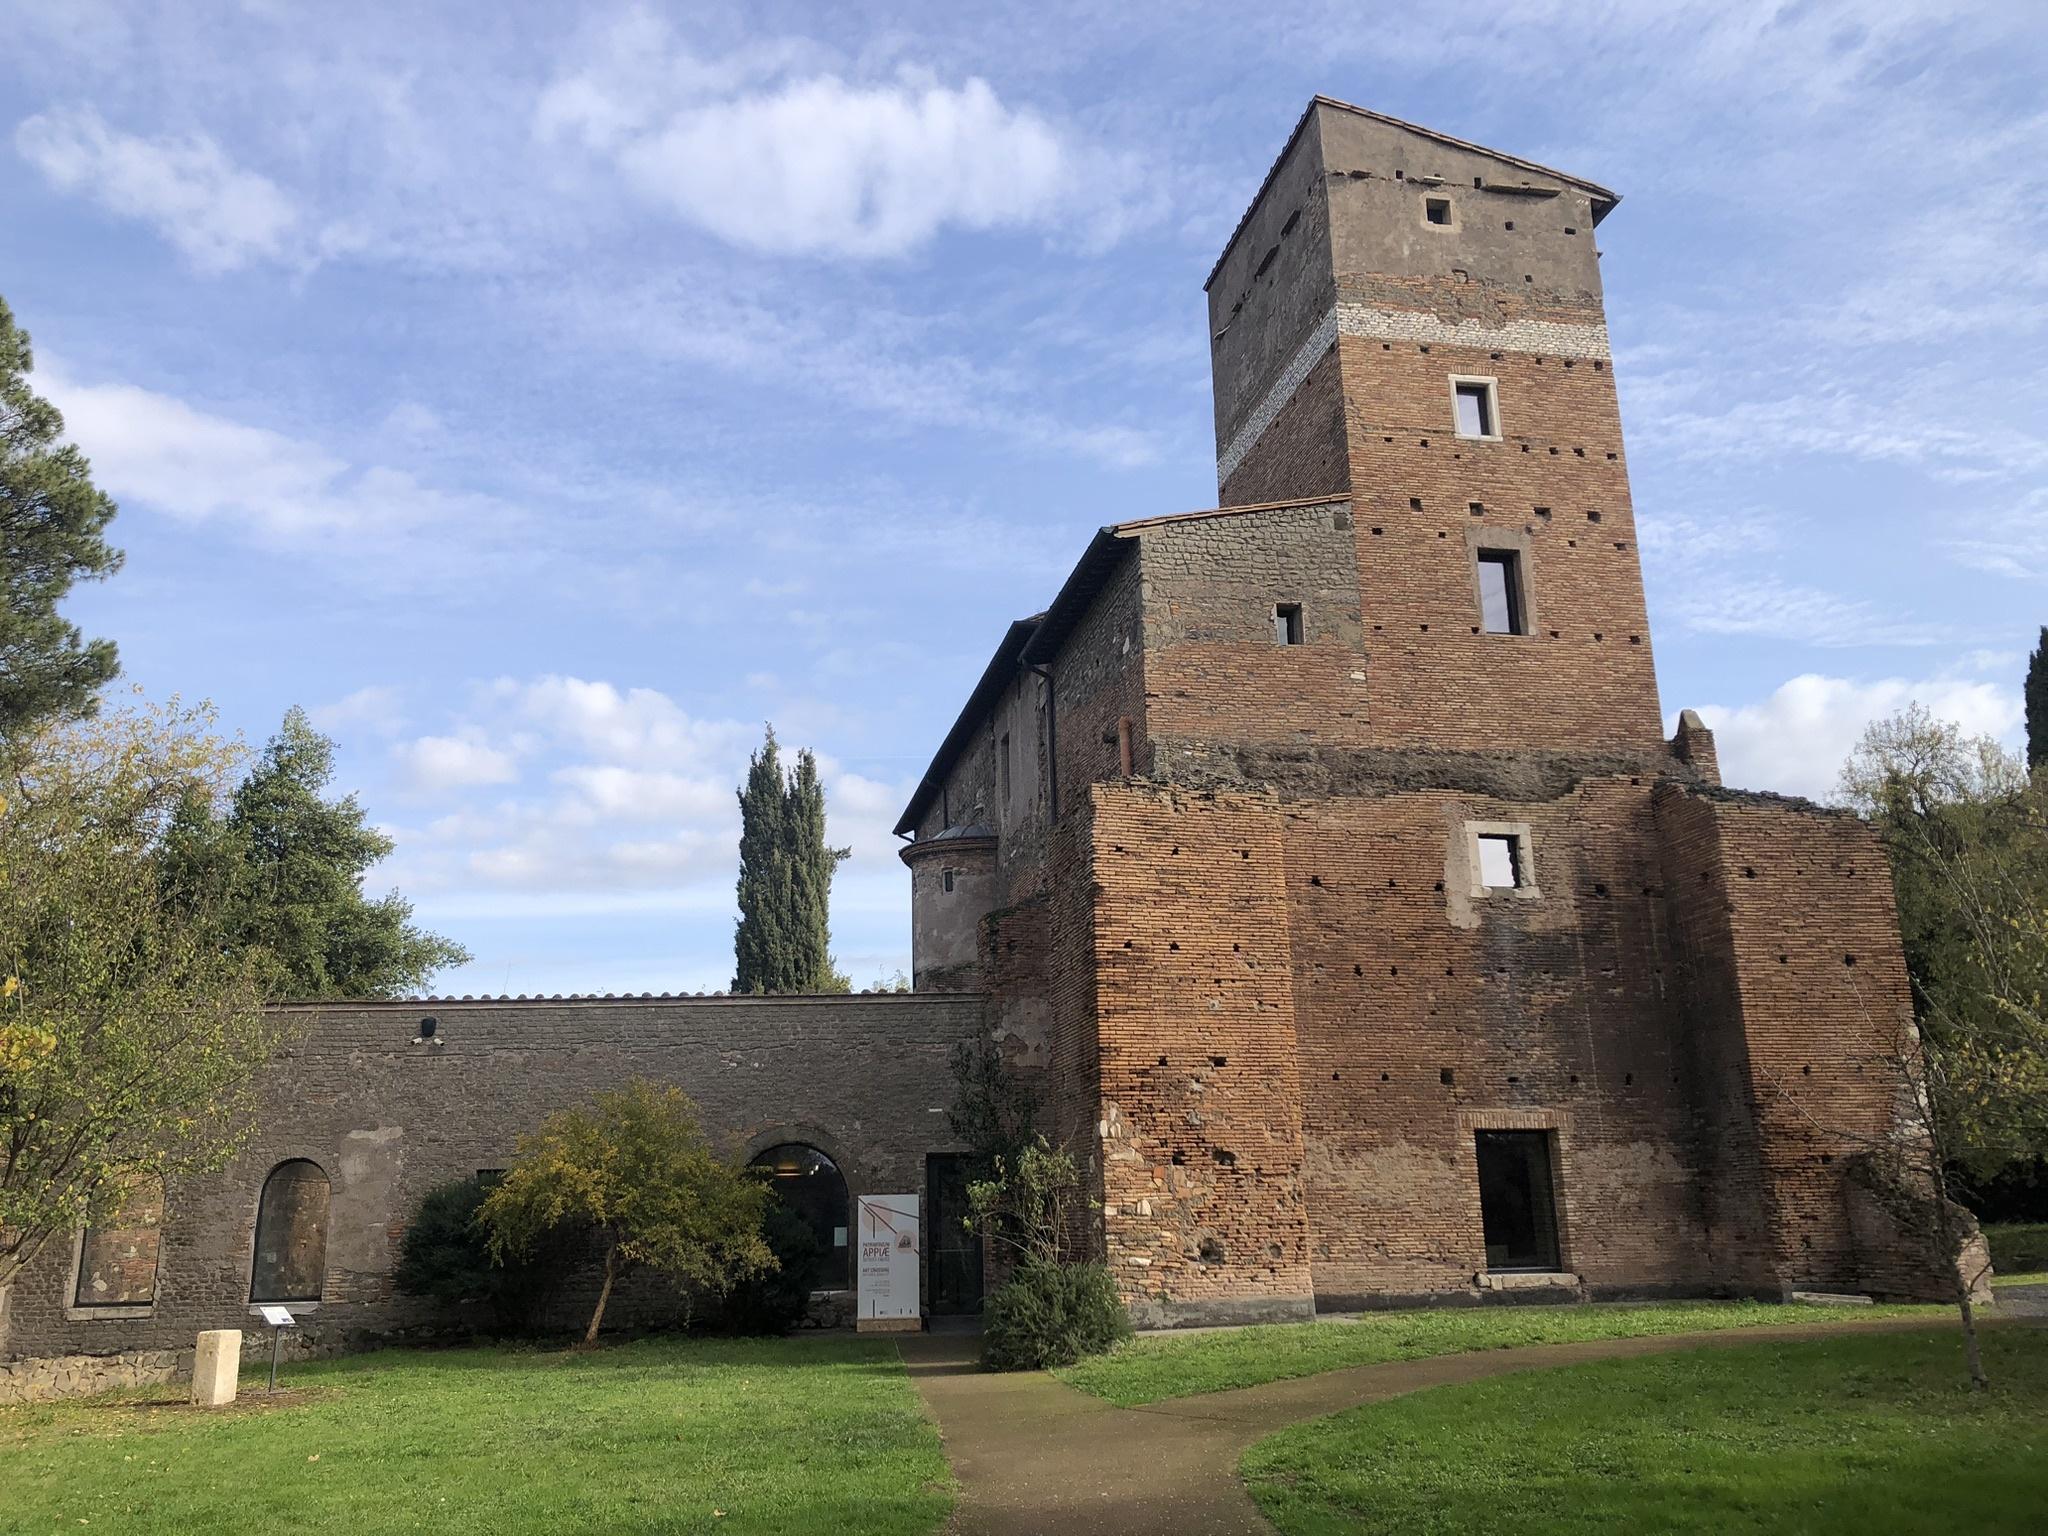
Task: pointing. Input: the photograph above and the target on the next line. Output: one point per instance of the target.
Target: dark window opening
(809, 1184)
(1501, 865)
(1500, 592)
(117, 1255)
(1003, 769)
(946, 880)
(1517, 1206)
(1475, 410)
(1437, 210)
(1287, 624)
(291, 1234)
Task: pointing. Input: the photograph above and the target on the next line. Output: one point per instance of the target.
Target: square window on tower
(1475, 406)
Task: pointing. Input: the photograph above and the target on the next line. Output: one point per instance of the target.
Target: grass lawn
(2019, 1252)
(757, 1436)
(1837, 1437)
(1175, 1365)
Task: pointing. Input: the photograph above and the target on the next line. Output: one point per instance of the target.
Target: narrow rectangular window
(946, 880)
(1500, 592)
(1500, 861)
(1517, 1204)
(1287, 623)
(1474, 404)
(1003, 769)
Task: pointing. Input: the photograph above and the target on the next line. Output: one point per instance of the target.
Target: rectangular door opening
(1517, 1203)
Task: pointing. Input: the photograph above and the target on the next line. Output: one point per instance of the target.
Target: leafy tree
(1968, 839)
(446, 1257)
(992, 1109)
(2037, 703)
(636, 1171)
(1034, 1203)
(783, 942)
(290, 863)
(129, 1031)
(52, 520)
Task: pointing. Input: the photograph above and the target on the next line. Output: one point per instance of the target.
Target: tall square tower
(1416, 322)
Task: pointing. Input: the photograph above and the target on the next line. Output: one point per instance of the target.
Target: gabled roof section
(1603, 198)
(1039, 638)
(995, 677)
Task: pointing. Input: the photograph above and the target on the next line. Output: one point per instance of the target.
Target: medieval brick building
(1324, 851)
(1321, 856)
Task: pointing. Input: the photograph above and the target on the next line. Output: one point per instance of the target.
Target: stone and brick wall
(864, 1079)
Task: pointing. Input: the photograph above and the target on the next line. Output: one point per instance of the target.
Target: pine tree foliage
(2037, 703)
(52, 520)
(784, 939)
(291, 863)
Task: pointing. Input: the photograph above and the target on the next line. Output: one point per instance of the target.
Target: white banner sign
(888, 1240)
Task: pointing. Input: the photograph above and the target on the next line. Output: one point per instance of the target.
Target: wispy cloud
(216, 214)
(1732, 602)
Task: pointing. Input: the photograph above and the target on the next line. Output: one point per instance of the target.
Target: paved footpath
(1035, 1457)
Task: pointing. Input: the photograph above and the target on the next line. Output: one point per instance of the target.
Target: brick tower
(1417, 322)
(1323, 848)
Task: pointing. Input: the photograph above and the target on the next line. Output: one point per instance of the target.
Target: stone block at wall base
(60, 1376)
(1220, 1311)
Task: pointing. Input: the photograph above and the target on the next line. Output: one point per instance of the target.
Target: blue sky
(545, 396)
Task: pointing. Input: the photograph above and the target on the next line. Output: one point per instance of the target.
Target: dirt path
(1037, 1458)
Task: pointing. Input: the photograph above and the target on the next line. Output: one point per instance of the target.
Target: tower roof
(1603, 198)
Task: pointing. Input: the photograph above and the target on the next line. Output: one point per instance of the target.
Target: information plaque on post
(888, 1279)
(279, 1318)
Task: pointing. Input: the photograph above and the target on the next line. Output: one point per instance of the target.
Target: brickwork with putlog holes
(1280, 1003)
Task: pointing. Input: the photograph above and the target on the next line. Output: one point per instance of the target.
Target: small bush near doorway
(1052, 1315)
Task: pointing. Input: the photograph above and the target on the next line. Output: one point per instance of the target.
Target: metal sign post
(279, 1318)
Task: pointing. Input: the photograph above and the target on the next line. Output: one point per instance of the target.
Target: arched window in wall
(810, 1184)
(117, 1254)
(291, 1234)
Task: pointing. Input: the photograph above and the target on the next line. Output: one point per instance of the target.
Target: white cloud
(1796, 740)
(218, 216)
(200, 467)
(376, 709)
(432, 764)
(768, 151)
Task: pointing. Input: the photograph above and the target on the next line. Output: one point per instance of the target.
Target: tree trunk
(1951, 1254)
(604, 1294)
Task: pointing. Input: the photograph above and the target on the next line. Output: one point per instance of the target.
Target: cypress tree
(758, 944)
(784, 939)
(2037, 703)
(811, 867)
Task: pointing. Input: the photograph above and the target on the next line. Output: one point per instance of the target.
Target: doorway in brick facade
(1517, 1200)
(953, 1251)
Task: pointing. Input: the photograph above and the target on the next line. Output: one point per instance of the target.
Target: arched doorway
(810, 1184)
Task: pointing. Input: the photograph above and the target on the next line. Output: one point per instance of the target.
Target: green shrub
(1051, 1315)
(775, 1302)
(445, 1257)
(2018, 1248)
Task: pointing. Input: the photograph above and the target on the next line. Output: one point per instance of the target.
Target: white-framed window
(1475, 407)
